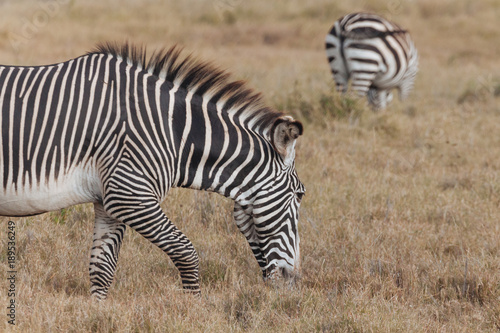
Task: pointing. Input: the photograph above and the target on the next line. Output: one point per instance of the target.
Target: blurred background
(400, 224)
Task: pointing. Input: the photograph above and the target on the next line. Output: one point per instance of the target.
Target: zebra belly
(72, 189)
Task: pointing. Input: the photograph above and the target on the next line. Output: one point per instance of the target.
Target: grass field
(400, 227)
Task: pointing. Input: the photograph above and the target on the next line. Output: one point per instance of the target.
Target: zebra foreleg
(180, 249)
(108, 236)
(149, 220)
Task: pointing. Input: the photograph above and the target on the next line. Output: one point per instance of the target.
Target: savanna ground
(400, 225)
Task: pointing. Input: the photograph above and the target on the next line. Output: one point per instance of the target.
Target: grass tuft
(399, 227)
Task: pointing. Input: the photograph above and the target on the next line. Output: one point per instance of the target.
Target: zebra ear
(284, 133)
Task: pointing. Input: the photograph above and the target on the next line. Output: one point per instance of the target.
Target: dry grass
(398, 203)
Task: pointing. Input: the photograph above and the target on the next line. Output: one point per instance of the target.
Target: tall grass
(399, 227)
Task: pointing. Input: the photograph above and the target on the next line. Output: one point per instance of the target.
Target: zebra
(118, 130)
(375, 54)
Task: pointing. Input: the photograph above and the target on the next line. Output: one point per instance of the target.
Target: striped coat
(114, 129)
(374, 54)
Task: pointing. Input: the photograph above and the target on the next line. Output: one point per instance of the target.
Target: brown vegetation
(400, 225)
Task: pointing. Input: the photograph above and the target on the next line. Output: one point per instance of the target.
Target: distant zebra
(116, 130)
(375, 54)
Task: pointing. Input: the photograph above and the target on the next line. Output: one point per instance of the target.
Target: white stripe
(10, 130)
(88, 112)
(198, 178)
(56, 120)
(91, 70)
(185, 134)
(38, 148)
(225, 144)
(171, 106)
(33, 124)
(98, 131)
(110, 105)
(2, 95)
(232, 158)
(26, 79)
(22, 128)
(78, 112)
(66, 122)
(187, 167)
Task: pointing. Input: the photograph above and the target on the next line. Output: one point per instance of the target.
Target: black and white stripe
(374, 54)
(114, 129)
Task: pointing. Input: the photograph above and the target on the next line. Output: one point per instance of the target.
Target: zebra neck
(217, 149)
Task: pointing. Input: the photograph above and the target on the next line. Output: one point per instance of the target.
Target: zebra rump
(374, 54)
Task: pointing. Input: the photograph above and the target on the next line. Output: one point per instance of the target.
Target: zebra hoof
(98, 297)
(193, 291)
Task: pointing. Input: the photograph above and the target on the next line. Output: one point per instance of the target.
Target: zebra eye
(300, 195)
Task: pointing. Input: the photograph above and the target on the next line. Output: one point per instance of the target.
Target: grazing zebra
(375, 54)
(117, 130)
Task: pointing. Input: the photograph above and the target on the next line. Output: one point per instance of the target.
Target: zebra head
(269, 220)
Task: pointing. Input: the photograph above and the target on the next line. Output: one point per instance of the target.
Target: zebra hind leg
(149, 220)
(108, 236)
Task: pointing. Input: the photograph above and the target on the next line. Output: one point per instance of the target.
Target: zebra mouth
(276, 274)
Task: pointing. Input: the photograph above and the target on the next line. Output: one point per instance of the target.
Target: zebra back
(374, 54)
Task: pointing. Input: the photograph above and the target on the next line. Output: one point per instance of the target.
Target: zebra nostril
(284, 273)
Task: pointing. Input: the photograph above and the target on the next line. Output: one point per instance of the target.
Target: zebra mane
(201, 78)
